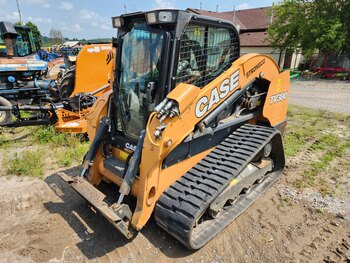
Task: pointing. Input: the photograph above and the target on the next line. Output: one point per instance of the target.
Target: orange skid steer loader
(191, 132)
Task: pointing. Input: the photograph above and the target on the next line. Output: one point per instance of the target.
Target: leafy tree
(34, 28)
(346, 21)
(310, 25)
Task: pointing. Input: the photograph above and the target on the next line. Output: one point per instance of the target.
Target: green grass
(26, 163)
(325, 142)
(294, 142)
(72, 154)
(311, 129)
(316, 132)
(68, 148)
(50, 148)
(48, 135)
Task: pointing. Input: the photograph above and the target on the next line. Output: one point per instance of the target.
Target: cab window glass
(205, 52)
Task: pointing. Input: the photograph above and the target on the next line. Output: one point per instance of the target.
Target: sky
(92, 19)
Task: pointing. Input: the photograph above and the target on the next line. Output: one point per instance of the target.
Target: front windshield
(140, 64)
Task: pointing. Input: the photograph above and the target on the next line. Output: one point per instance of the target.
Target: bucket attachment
(118, 215)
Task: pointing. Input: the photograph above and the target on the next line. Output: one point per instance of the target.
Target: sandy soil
(46, 221)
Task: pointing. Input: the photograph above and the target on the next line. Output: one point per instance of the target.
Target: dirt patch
(45, 221)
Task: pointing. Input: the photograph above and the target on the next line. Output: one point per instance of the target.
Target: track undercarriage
(221, 186)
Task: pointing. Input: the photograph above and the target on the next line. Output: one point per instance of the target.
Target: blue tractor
(21, 69)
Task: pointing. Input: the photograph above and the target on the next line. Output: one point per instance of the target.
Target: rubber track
(183, 203)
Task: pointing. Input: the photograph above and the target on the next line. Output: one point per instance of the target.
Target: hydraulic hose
(132, 168)
(90, 156)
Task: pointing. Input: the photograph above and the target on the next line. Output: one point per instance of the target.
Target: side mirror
(116, 42)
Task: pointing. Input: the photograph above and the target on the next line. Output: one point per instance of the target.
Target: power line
(19, 13)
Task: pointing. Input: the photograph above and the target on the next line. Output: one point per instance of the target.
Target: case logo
(130, 146)
(217, 94)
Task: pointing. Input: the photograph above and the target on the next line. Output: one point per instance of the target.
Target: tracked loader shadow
(98, 237)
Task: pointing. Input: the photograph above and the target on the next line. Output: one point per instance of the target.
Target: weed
(284, 202)
(324, 190)
(66, 156)
(25, 114)
(319, 210)
(47, 134)
(326, 141)
(298, 183)
(61, 150)
(292, 144)
(27, 163)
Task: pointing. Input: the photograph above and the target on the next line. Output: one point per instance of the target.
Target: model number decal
(204, 104)
(278, 97)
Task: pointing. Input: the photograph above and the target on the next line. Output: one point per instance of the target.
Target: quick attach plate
(118, 215)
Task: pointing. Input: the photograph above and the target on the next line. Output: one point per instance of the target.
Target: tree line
(310, 26)
(55, 35)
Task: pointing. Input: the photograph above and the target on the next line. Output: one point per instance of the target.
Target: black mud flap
(118, 215)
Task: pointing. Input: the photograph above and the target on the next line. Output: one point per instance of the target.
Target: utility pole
(19, 13)
(124, 8)
(217, 8)
(234, 13)
(200, 6)
(271, 17)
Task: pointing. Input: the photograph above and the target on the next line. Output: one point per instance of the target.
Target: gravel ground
(326, 95)
(327, 203)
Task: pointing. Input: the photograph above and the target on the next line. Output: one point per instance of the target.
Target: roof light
(117, 22)
(151, 18)
(165, 16)
(161, 17)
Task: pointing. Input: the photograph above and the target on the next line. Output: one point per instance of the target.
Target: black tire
(5, 116)
(66, 87)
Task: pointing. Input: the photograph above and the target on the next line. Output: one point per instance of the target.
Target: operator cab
(18, 41)
(158, 50)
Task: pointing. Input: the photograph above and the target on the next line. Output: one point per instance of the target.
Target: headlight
(151, 18)
(117, 22)
(165, 16)
(161, 17)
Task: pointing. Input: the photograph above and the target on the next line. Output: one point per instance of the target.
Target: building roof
(254, 39)
(255, 20)
(71, 43)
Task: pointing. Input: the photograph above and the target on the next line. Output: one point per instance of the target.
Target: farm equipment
(78, 89)
(333, 73)
(21, 70)
(191, 131)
